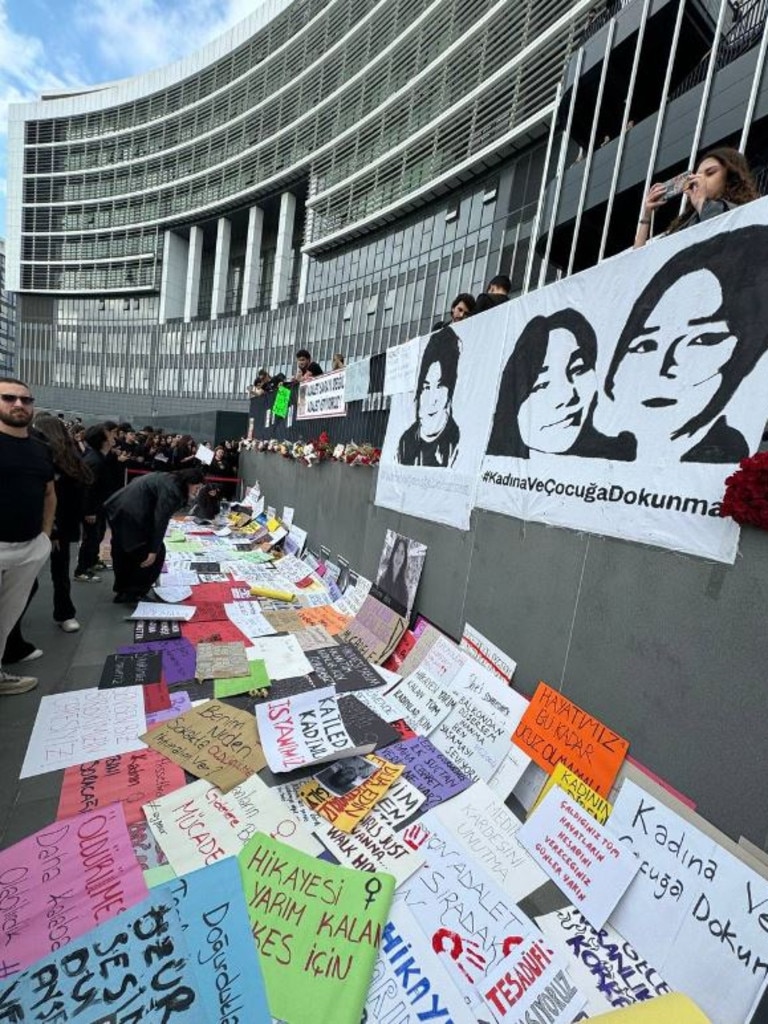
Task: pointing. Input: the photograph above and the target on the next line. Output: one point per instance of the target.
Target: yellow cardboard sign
(583, 794)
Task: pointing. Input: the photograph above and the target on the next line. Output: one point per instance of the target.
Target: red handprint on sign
(415, 836)
(461, 951)
(509, 943)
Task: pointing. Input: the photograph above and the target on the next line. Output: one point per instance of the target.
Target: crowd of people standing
(66, 484)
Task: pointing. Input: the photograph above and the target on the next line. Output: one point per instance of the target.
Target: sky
(50, 44)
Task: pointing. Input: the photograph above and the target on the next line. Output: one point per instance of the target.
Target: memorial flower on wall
(746, 492)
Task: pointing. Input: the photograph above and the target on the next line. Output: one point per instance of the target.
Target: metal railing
(744, 34)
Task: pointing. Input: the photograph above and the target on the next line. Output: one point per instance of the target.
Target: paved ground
(71, 661)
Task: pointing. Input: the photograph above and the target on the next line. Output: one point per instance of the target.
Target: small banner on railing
(322, 396)
(281, 403)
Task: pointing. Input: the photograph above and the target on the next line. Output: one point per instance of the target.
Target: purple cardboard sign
(428, 770)
(178, 658)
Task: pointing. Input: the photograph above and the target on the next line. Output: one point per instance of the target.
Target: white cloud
(26, 68)
(137, 35)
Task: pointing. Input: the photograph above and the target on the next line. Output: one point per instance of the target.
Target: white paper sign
(249, 618)
(694, 910)
(197, 824)
(282, 655)
(357, 380)
(84, 725)
(488, 654)
(509, 772)
(466, 917)
(531, 976)
(204, 454)
(156, 610)
(371, 846)
(584, 859)
(427, 993)
(489, 831)
(173, 594)
(402, 366)
(301, 730)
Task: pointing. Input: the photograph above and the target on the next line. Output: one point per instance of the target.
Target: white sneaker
(10, 684)
(69, 625)
(33, 655)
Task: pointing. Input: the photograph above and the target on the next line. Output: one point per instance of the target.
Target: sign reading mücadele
(322, 396)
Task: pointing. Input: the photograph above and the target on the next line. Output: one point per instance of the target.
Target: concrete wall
(670, 650)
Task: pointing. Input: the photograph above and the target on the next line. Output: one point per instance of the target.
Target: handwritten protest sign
(283, 656)
(303, 730)
(581, 857)
(428, 770)
(158, 610)
(178, 657)
(510, 772)
(375, 630)
(314, 638)
(489, 831)
(469, 921)
(554, 729)
(532, 976)
(135, 967)
(322, 396)
(394, 995)
(583, 794)
(487, 654)
(324, 615)
(199, 825)
(317, 928)
(137, 669)
(64, 880)
(84, 725)
(343, 667)
(216, 929)
(371, 846)
(249, 618)
(694, 910)
(216, 742)
(603, 964)
(131, 779)
(328, 796)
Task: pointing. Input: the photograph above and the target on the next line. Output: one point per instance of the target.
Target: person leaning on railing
(721, 181)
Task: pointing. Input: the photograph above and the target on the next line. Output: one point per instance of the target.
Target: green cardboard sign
(281, 403)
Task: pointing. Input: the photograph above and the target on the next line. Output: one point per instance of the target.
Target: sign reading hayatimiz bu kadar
(322, 396)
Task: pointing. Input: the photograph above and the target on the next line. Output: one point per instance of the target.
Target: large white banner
(624, 396)
(437, 431)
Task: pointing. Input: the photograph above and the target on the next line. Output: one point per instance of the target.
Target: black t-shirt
(26, 467)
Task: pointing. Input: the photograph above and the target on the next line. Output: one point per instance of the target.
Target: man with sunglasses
(27, 507)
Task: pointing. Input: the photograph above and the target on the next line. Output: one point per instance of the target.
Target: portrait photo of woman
(548, 392)
(433, 438)
(695, 332)
(399, 572)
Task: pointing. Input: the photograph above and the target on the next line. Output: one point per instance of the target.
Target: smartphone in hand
(676, 186)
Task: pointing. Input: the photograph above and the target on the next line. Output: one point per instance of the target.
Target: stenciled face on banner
(628, 393)
(437, 431)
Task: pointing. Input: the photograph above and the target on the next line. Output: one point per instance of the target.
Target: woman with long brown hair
(721, 181)
(72, 477)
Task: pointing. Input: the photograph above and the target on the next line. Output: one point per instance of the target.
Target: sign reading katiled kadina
(554, 729)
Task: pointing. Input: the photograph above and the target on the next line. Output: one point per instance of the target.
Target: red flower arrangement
(746, 492)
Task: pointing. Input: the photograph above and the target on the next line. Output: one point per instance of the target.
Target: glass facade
(7, 321)
(330, 181)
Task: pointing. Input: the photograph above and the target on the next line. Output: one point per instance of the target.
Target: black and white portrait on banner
(400, 568)
(436, 432)
(629, 392)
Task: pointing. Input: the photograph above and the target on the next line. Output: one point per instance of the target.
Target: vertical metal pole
(591, 145)
(663, 104)
(706, 91)
(756, 83)
(542, 190)
(560, 170)
(623, 132)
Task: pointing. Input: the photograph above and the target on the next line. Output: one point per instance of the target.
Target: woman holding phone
(721, 181)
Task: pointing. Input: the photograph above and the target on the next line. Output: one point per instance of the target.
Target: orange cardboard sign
(555, 729)
(324, 615)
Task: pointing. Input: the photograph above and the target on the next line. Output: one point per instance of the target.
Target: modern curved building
(327, 175)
